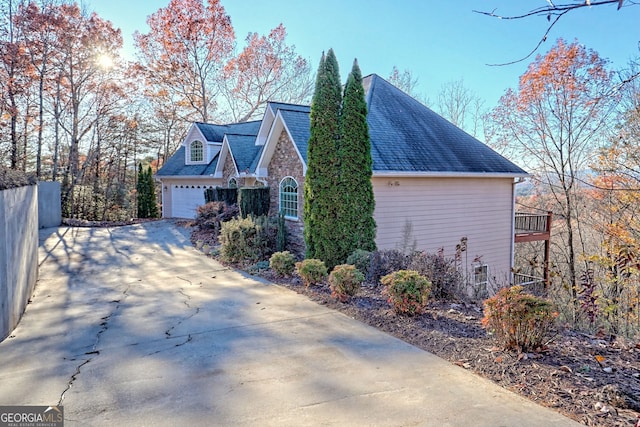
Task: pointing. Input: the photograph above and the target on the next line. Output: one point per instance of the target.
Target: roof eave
(429, 174)
(184, 177)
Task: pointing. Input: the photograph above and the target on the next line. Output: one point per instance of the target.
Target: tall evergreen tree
(146, 193)
(356, 205)
(152, 207)
(141, 193)
(320, 185)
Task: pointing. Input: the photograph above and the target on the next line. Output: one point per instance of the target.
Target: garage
(185, 199)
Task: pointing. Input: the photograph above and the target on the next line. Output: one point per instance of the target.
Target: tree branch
(555, 11)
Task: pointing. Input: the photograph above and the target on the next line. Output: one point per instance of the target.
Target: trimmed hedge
(253, 201)
(219, 194)
(10, 178)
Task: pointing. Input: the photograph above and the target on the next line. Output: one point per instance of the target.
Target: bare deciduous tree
(267, 69)
(553, 121)
(461, 106)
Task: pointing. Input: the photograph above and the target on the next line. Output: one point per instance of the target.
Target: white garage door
(185, 199)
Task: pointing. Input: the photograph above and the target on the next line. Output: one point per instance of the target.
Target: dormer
(198, 149)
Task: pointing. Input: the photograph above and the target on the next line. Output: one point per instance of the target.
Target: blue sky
(439, 41)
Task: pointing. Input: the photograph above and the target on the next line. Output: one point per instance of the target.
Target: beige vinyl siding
(443, 210)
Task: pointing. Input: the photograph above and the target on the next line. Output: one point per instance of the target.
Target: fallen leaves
(464, 363)
(565, 368)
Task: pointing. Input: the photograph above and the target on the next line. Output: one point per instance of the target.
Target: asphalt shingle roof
(215, 133)
(245, 151)
(298, 125)
(406, 137)
(289, 107)
(175, 166)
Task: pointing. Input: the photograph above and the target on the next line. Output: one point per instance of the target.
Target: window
(196, 151)
(289, 197)
(233, 183)
(480, 274)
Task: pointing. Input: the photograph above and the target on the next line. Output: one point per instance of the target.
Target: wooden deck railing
(535, 285)
(529, 223)
(532, 227)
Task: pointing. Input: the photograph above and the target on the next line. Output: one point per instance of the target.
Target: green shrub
(258, 267)
(246, 240)
(10, 178)
(360, 259)
(408, 291)
(311, 271)
(283, 263)
(518, 320)
(344, 281)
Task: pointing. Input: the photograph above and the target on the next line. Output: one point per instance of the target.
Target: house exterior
(429, 177)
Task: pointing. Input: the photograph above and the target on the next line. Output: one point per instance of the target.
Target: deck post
(547, 252)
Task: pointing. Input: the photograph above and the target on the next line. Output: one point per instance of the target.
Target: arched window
(196, 151)
(233, 183)
(289, 197)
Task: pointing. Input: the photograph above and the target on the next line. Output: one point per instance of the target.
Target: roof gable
(406, 137)
(240, 143)
(194, 134)
(296, 124)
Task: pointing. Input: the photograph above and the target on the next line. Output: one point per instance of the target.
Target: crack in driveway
(169, 332)
(186, 302)
(104, 325)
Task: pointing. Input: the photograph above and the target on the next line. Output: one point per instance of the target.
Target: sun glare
(105, 61)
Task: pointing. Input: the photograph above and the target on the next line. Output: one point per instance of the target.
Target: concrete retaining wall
(18, 253)
(49, 205)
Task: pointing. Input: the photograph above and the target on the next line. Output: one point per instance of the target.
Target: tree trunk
(14, 132)
(56, 144)
(40, 122)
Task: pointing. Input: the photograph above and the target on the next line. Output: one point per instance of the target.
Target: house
(429, 177)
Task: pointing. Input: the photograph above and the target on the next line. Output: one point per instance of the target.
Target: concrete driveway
(132, 326)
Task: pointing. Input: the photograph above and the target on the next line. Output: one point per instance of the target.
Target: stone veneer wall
(285, 162)
(228, 170)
